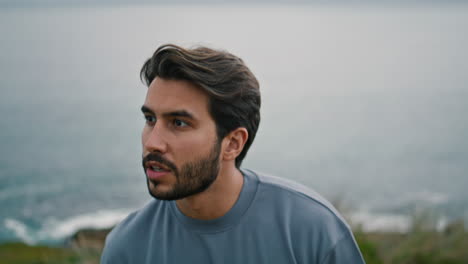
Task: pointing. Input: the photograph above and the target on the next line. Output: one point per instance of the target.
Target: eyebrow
(177, 113)
(146, 109)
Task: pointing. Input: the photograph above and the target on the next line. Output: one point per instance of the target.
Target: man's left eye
(179, 123)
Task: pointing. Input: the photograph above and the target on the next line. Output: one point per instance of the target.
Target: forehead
(165, 95)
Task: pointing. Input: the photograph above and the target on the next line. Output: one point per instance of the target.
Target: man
(202, 111)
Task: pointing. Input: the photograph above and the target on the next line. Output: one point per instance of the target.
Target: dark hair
(233, 90)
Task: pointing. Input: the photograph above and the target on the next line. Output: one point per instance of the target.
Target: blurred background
(366, 102)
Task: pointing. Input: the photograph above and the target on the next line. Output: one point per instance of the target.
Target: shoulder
(303, 212)
(136, 220)
(295, 194)
(131, 229)
(317, 231)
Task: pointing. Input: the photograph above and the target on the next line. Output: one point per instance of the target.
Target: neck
(218, 199)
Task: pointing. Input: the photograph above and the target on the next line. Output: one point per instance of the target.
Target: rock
(89, 239)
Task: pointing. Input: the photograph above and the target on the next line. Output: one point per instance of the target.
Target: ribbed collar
(232, 217)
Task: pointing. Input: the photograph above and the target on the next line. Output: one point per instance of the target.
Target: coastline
(423, 243)
(383, 238)
(84, 246)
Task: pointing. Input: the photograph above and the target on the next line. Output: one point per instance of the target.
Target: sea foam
(54, 230)
(371, 222)
(386, 222)
(97, 220)
(20, 230)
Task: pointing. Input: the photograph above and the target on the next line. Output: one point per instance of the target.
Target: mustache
(158, 158)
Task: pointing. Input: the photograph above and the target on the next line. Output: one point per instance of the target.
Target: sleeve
(107, 258)
(117, 242)
(345, 251)
(110, 254)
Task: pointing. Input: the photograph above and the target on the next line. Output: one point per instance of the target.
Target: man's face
(180, 147)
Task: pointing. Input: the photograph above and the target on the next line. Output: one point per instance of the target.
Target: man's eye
(150, 119)
(179, 123)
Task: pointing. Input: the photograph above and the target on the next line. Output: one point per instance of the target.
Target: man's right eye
(150, 119)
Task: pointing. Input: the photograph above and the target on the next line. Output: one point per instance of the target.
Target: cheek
(195, 146)
(144, 135)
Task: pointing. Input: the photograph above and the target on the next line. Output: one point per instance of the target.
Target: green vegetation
(423, 244)
(83, 248)
(19, 253)
(419, 246)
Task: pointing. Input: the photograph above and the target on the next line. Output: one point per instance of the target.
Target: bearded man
(202, 111)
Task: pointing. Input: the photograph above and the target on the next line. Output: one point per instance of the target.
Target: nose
(153, 139)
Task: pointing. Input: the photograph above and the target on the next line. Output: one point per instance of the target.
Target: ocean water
(367, 105)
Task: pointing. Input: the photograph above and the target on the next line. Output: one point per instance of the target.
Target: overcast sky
(39, 3)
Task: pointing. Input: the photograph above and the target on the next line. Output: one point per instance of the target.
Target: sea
(366, 104)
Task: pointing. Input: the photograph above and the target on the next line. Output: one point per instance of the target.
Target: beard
(192, 177)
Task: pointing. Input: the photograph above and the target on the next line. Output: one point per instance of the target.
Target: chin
(157, 191)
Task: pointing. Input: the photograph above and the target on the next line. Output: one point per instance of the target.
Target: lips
(156, 170)
(156, 166)
(155, 175)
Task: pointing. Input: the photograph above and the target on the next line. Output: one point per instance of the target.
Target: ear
(234, 142)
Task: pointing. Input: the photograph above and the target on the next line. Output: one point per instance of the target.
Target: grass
(84, 247)
(423, 244)
(19, 253)
(419, 246)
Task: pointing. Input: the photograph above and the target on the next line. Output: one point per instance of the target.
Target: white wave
(433, 198)
(54, 229)
(20, 230)
(370, 222)
(385, 222)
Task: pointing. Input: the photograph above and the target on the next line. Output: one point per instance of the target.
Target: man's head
(233, 91)
(205, 95)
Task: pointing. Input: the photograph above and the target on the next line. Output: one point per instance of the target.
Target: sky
(47, 3)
